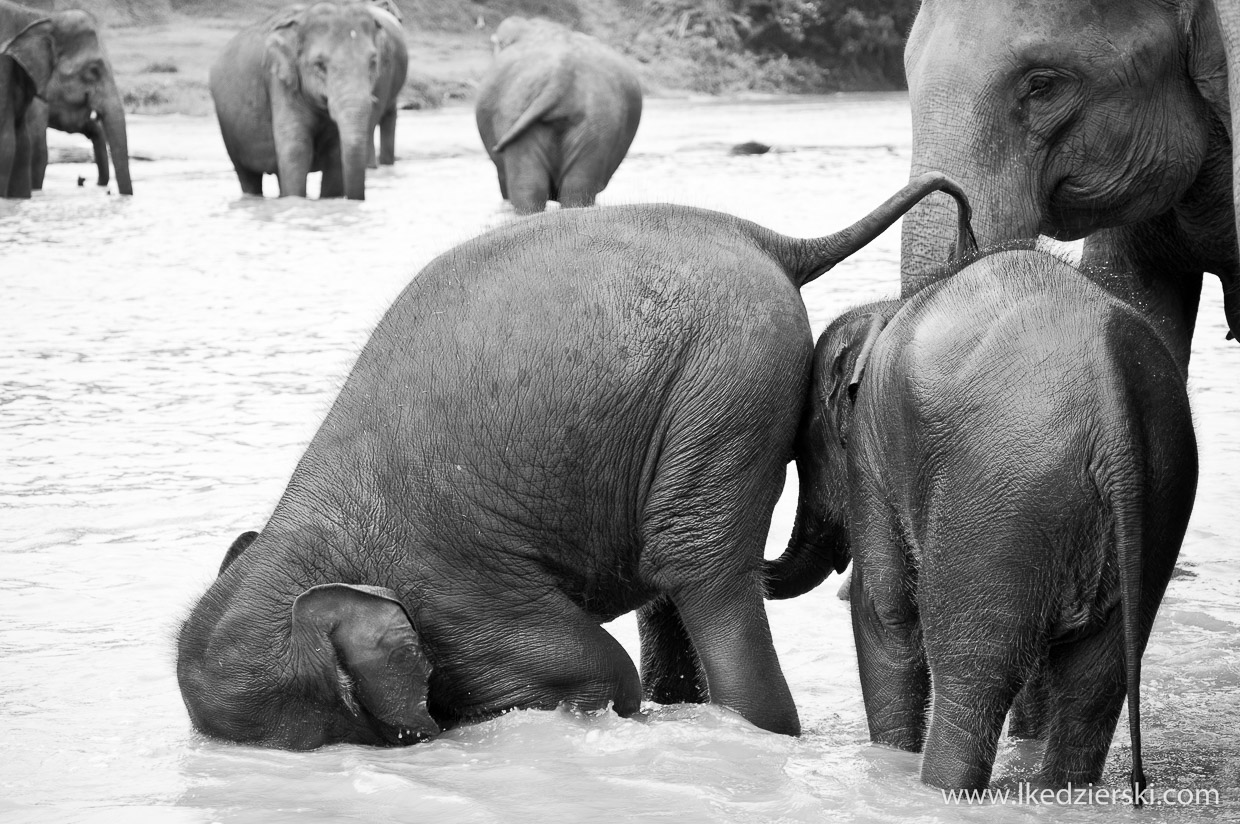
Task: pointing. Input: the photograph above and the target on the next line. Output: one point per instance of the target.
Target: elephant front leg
(536, 651)
(99, 144)
(387, 137)
(670, 669)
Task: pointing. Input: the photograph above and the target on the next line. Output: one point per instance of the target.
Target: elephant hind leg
(581, 183)
(1086, 680)
(544, 653)
(527, 167)
(895, 680)
(671, 672)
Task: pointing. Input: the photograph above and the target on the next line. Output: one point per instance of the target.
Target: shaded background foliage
(711, 46)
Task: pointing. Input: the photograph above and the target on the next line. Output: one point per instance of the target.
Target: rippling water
(165, 358)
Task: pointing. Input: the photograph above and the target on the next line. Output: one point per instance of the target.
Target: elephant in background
(26, 62)
(558, 422)
(557, 112)
(294, 94)
(1009, 459)
(80, 83)
(393, 68)
(1084, 119)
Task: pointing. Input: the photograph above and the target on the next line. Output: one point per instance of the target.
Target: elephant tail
(1123, 488)
(807, 259)
(536, 109)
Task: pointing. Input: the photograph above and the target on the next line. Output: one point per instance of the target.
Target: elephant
(563, 420)
(79, 83)
(1008, 458)
(393, 67)
(1084, 119)
(294, 94)
(557, 112)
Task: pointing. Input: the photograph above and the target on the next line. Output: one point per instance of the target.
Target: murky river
(165, 359)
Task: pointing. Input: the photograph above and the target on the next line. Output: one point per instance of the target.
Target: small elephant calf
(1009, 458)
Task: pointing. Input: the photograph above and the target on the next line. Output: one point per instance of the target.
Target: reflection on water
(165, 358)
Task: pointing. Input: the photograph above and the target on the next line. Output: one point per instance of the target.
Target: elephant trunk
(111, 113)
(821, 254)
(352, 118)
(1004, 192)
(819, 544)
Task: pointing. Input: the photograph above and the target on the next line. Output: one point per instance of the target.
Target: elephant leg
(527, 165)
(294, 154)
(251, 182)
(670, 669)
(583, 178)
(38, 160)
(372, 157)
(329, 159)
(982, 625)
(387, 137)
(99, 144)
(704, 533)
(542, 653)
(895, 681)
(19, 176)
(1085, 680)
(1028, 716)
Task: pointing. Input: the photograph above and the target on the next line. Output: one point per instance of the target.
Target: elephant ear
(234, 551)
(840, 366)
(283, 45)
(34, 49)
(390, 7)
(375, 664)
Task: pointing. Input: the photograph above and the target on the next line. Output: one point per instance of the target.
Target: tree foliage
(862, 40)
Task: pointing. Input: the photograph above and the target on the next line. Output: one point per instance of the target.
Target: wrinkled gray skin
(557, 111)
(561, 421)
(393, 67)
(1009, 456)
(79, 83)
(1102, 119)
(40, 118)
(294, 95)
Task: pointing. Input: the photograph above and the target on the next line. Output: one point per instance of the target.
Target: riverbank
(162, 58)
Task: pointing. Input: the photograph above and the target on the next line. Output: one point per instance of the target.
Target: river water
(164, 359)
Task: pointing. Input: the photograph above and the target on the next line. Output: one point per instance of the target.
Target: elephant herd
(590, 412)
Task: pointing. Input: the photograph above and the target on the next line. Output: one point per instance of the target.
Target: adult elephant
(294, 94)
(563, 420)
(1009, 459)
(1084, 118)
(393, 67)
(557, 112)
(80, 84)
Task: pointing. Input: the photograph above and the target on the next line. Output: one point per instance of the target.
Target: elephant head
(327, 55)
(83, 84)
(351, 670)
(1060, 117)
(819, 541)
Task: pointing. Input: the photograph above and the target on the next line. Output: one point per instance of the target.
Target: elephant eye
(1039, 85)
(320, 66)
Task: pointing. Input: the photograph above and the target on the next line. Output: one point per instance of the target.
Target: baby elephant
(1011, 457)
(557, 112)
(568, 418)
